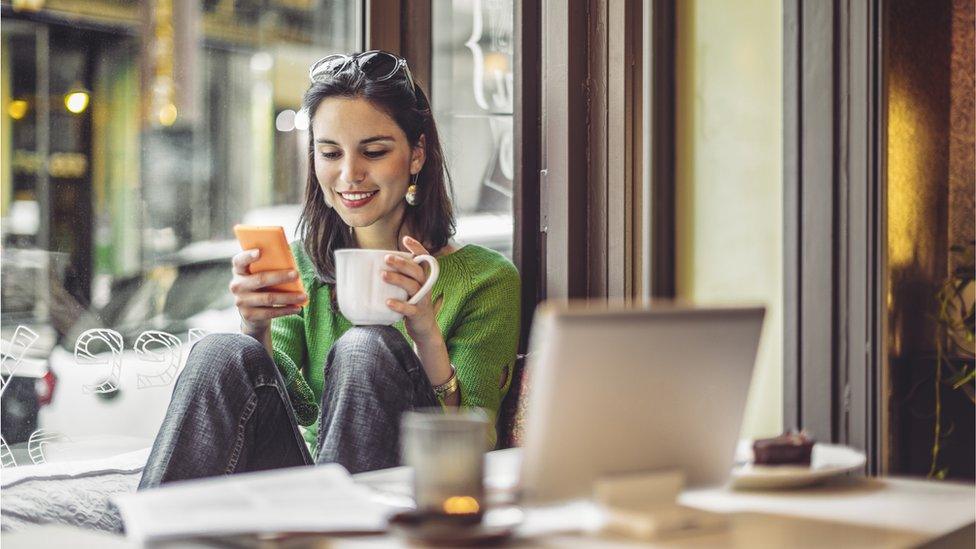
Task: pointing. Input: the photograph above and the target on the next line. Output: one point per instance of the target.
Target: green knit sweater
(478, 300)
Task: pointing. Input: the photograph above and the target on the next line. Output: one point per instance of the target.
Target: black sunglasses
(377, 65)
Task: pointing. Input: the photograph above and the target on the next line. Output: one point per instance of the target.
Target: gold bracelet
(449, 387)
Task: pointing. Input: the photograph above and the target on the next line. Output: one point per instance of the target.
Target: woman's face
(363, 162)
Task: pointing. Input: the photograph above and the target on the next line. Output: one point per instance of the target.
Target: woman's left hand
(420, 319)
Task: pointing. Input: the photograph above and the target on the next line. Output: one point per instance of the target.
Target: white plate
(827, 461)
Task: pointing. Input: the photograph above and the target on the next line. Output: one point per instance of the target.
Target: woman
(376, 180)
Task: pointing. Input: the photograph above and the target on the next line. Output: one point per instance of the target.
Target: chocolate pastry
(791, 448)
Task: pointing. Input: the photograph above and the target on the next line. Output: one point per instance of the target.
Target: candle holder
(446, 449)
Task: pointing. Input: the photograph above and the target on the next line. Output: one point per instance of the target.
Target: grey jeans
(230, 412)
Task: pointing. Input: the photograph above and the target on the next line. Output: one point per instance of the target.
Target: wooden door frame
(528, 125)
(658, 189)
(591, 167)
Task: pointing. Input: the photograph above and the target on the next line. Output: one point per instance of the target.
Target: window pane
(132, 141)
(472, 96)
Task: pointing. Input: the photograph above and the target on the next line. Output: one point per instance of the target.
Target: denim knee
(218, 356)
(368, 352)
(359, 337)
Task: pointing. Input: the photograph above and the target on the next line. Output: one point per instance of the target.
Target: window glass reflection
(135, 134)
(472, 96)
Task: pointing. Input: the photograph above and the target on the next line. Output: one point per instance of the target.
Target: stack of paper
(321, 499)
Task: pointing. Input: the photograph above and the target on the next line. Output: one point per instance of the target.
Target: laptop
(618, 390)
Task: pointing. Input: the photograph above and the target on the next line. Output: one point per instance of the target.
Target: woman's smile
(356, 199)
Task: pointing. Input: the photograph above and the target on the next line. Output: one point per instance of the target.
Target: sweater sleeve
(484, 344)
(291, 355)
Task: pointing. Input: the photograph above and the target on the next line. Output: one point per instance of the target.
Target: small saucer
(496, 526)
(827, 461)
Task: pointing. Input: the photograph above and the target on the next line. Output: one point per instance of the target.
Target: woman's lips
(356, 200)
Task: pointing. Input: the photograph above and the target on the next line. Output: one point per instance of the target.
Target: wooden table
(846, 512)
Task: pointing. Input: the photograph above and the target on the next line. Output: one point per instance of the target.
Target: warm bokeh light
(76, 101)
(908, 141)
(496, 62)
(67, 165)
(17, 109)
(461, 505)
(167, 115)
(28, 5)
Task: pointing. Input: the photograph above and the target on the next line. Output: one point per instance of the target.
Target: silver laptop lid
(620, 390)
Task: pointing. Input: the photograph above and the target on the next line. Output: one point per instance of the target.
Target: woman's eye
(330, 155)
(374, 154)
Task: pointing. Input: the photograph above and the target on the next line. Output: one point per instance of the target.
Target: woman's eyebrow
(366, 141)
(376, 138)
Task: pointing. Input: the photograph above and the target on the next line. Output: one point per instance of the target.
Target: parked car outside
(27, 385)
(27, 334)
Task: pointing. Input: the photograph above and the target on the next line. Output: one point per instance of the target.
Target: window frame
(592, 181)
(833, 375)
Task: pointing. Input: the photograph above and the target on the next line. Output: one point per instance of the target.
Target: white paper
(301, 499)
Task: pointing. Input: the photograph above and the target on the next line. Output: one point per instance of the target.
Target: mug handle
(431, 279)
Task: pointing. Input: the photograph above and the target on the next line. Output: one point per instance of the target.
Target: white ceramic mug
(362, 292)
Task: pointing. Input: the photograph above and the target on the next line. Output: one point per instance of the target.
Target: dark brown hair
(432, 219)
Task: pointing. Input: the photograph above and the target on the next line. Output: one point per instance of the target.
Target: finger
(402, 307)
(245, 283)
(414, 245)
(266, 279)
(251, 314)
(405, 282)
(241, 260)
(406, 267)
(270, 299)
(242, 284)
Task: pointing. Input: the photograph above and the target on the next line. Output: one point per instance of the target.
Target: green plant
(955, 342)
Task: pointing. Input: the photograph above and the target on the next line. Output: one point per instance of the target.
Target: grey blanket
(75, 493)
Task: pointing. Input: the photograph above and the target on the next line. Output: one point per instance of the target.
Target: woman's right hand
(256, 305)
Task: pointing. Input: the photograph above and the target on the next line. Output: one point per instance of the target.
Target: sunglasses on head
(377, 65)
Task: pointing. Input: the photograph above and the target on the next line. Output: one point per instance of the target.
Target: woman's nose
(352, 170)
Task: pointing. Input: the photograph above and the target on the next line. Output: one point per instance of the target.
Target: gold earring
(411, 196)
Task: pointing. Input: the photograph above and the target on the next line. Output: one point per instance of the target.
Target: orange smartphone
(275, 254)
